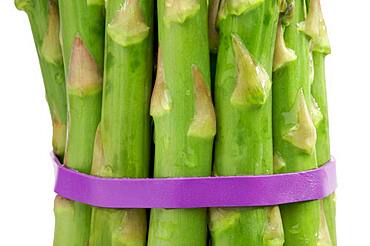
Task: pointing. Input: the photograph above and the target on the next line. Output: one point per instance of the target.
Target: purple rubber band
(235, 191)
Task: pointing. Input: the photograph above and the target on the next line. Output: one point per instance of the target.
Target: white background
(27, 175)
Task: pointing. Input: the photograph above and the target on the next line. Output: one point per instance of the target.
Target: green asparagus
(243, 106)
(184, 116)
(323, 143)
(82, 37)
(122, 144)
(267, 65)
(320, 48)
(44, 20)
(294, 121)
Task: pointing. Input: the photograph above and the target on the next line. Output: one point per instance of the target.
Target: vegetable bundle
(268, 113)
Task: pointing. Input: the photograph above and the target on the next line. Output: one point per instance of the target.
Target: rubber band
(196, 192)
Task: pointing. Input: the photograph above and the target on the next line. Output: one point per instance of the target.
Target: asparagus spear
(294, 121)
(44, 20)
(122, 142)
(315, 28)
(82, 36)
(323, 143)
(183, 113)
(243, 106)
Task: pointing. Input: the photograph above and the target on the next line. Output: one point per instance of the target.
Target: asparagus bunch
(294, 118)
(244, 127)
(44, 20)
(82, 37)
(259, 39)
(122, 144)
(184, 116)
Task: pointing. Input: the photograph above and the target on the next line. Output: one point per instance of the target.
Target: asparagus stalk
(184, 116)
(44, 20)
(294, 119)
(82, 36)
(323, 143)
(243, 106)
(320, 48)
(122, 144)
